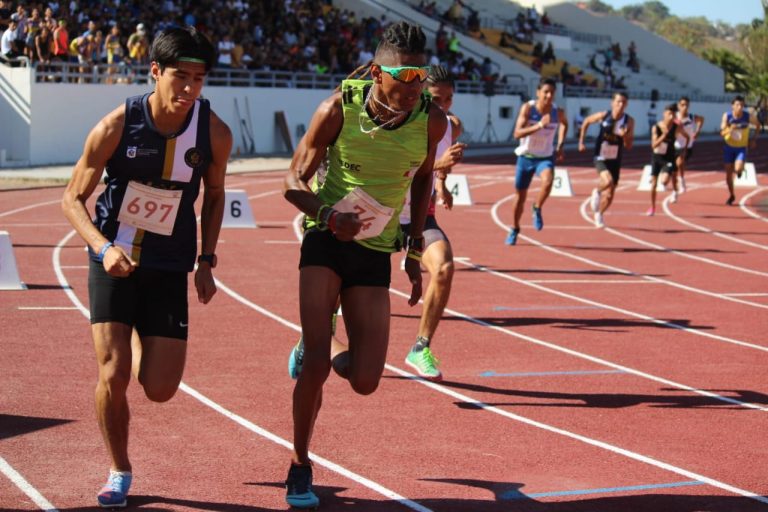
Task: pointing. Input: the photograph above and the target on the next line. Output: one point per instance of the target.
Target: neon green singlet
(383, 165)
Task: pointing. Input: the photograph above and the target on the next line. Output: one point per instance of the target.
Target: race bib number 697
(149, 208)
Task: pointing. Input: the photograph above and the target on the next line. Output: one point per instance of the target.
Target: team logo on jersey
(193, 157)
(131, 152)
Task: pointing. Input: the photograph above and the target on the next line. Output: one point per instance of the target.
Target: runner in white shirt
(692, 124)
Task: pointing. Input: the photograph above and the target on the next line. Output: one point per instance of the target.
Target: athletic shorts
(527, 167)
(660, 165)
(685, 153)
(612, 166)
(732, 154)
(355, 264)
(152, 301)
(432, 232)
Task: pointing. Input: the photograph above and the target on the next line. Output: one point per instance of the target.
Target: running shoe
(599, 220)
(674, 197)
(114, 494)
(296, 359)
(298, 487)
(651, 211)
(730, 200)
(512, 236)
(538, 221)
(594, 201)
(682, 185)
(425, 363)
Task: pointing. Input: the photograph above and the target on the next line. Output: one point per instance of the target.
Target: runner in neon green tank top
(379, 138)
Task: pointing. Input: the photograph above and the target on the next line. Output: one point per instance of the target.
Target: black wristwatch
(208, 258)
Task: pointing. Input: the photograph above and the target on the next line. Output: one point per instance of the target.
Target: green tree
(734, 66)
(690, 34)
(600, 7)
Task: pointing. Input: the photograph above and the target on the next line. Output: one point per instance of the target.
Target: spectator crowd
(264, 35)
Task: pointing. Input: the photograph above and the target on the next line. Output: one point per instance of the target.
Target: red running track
(586, 370)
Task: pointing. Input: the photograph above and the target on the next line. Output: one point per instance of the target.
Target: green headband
(191, 59)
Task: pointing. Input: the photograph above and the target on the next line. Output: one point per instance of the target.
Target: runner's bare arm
(99, 146)
(420, 193)
(323, 129)
(594, 118)
(212, 211)
(629, 137)
(562, 132)
(422, 180)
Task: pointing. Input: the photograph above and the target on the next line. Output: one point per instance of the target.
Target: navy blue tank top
(609, 145)
(160, 177)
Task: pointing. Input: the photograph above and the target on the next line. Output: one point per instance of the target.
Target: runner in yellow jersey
(379, 137)
(735, 131)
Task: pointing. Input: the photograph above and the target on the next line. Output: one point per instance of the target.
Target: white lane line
(592, 281)
(747, 294)
(544, 426)
(315, 458)
(593, 263)
(275, 242)
(746, 209)
(46, 308)
(665, 204)
(31, 206)
(660, 248)
(594, 442)
(27, 488)
(34, 224)
(598, 360)
(242, 421)
(584, 439)
(622, 311)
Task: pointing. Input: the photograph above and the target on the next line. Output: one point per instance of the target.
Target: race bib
(538, 143)
(736, 134)
(661, 149)
(149, 208)
(373, 215)
(609, 151)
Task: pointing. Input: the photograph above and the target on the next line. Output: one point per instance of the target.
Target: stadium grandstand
(68, 62)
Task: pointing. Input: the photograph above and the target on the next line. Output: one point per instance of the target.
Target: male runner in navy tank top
(155, 149)
(617, 132)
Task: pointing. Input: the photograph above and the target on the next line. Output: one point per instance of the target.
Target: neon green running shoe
(425, 363)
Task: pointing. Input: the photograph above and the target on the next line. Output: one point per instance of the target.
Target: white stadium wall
(45, 124)
(665, 56)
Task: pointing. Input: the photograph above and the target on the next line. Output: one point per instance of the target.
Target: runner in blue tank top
(538, 123)
(156, 149)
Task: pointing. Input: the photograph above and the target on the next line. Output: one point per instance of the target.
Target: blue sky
(733, 11)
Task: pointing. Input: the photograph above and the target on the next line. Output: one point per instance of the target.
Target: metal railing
(594, 92)
(61, 72)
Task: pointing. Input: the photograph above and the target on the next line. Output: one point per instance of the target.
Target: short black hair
(685, 99)
(546, 81)
(622, 94)
(439, 75)
(738, 98)
(177, 43)
(672, 107)
(402, 37)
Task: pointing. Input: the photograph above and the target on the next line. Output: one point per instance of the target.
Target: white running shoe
(599, 220)
(682, 185)
(674, 197)
(594, 201)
